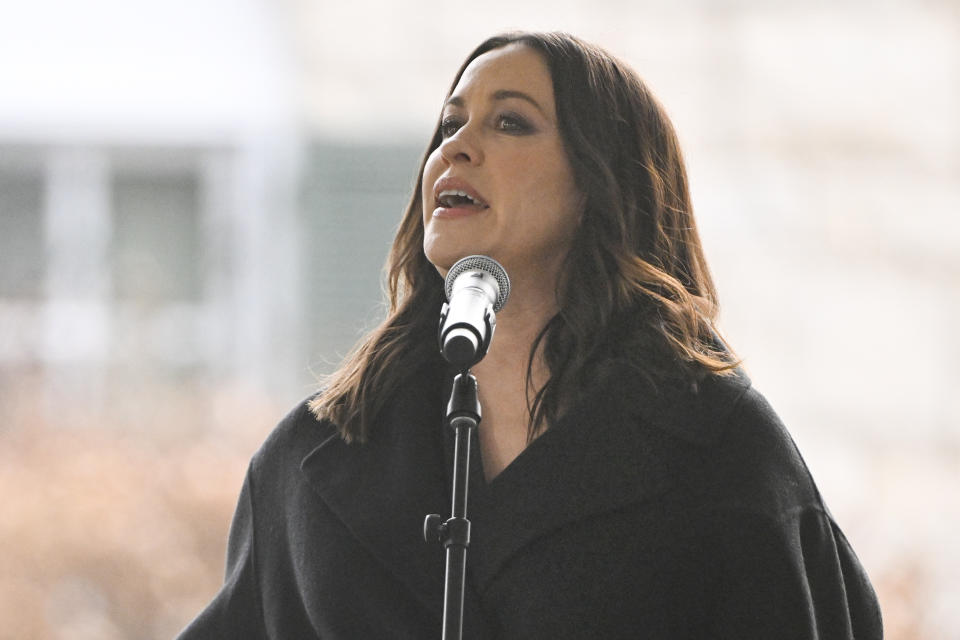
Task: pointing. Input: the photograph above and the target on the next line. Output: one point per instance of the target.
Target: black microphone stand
(463, 344)
(463, 416)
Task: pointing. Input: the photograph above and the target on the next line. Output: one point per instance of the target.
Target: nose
(462, 147)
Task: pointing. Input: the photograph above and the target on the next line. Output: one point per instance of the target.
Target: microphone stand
(463, 343)
(463, 416)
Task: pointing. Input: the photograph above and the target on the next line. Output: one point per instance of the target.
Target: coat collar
(382, 489)
(602, 455)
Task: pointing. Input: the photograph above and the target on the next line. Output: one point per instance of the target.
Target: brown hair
(635, 285)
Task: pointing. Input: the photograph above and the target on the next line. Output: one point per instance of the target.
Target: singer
(630, 481)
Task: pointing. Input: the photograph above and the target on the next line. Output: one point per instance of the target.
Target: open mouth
(456, 199)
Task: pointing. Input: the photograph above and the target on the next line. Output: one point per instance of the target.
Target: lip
(458, 184)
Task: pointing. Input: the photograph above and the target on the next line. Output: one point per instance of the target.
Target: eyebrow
(501, 94)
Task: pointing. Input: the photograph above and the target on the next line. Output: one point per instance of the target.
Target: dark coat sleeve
(236, 611)
(796, 578)
(780, 565)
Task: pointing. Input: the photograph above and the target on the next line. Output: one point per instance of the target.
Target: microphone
(476, 287)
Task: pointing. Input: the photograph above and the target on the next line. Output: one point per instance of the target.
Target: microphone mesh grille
(487, 265)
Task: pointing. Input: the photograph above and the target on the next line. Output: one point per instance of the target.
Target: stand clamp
(453, 531)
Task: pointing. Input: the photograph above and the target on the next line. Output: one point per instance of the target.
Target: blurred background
(196, 199)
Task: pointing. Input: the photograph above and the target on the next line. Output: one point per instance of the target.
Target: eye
(449, 126)
(512, 123)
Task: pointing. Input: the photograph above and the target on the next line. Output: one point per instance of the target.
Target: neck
(530, 307)
(502, 374)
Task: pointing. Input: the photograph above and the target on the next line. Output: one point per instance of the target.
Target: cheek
(557, 203)
(430, 173)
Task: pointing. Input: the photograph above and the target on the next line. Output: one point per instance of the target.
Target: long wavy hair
(634, 287)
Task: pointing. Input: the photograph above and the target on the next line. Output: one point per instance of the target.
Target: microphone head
(487, 265)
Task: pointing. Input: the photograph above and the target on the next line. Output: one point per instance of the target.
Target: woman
(630, 481)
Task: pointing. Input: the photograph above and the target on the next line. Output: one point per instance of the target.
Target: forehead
(514, 66)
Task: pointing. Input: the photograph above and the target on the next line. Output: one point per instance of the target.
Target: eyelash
(506, 122)
(449, 126)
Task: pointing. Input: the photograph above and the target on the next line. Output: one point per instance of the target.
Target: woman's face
(500, 183)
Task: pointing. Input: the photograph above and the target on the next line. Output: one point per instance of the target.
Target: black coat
(676, 513)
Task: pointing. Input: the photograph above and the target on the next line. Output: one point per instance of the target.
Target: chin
(444, 257)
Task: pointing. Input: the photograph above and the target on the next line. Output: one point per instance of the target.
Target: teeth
(443, 196)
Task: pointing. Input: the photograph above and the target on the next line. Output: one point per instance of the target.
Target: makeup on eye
(513, 123)
(506, 122)
(449, 126)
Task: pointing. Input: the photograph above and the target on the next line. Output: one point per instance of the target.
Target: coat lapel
(382, 490)
(603, 455)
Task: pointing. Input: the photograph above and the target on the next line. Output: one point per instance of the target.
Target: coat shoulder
(758, 461)
(729, 448)
(297, 434)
